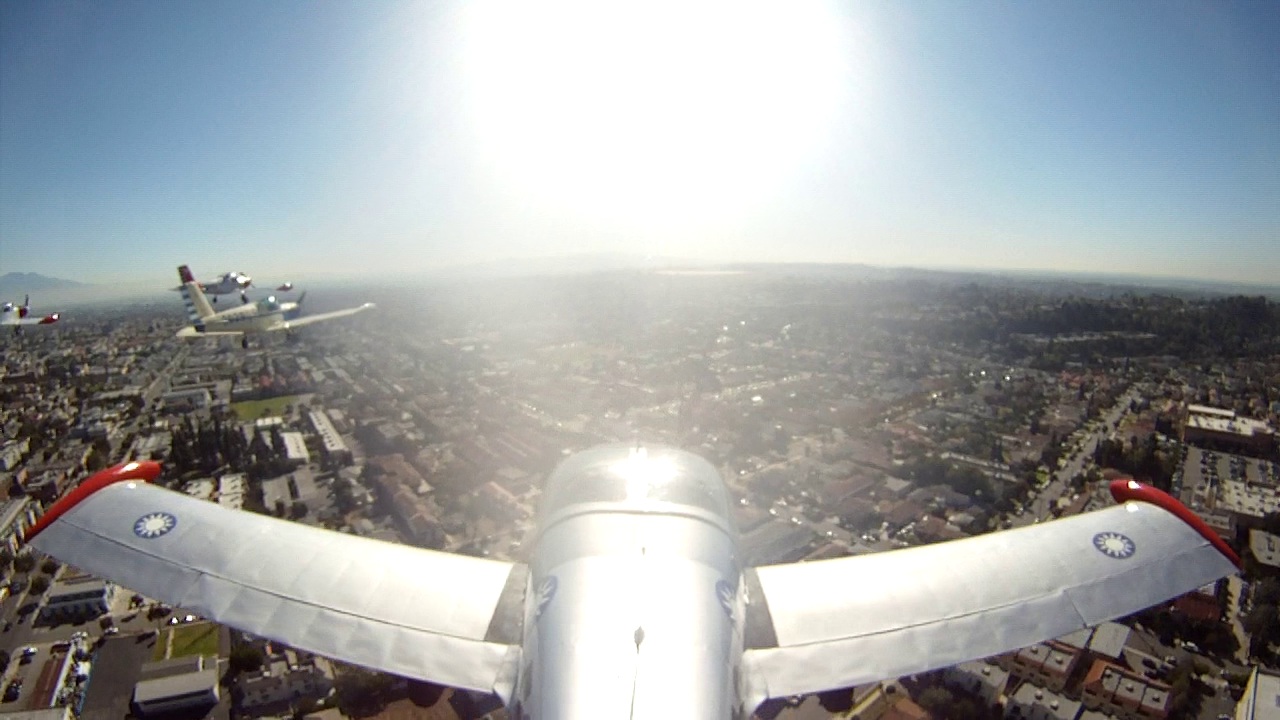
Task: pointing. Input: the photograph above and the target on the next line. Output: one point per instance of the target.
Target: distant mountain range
(50, 294)
(19, 283)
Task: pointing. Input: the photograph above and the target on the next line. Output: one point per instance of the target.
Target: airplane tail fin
(25, 307)
(198, 307)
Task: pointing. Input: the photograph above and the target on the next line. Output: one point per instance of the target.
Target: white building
(295, 448)
(194, 397)
(16, 516)
(1261, 698)
(335, 448)
(279, 682)
(78, 597)
(13, 452)
(176, 685)
(231, 489)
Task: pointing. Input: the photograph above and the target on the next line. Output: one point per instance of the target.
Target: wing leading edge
(417, 613)
(848, 621)
(309, 319)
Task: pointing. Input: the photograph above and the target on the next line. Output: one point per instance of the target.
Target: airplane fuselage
(227, 284)
(635, 598)
(251, 318)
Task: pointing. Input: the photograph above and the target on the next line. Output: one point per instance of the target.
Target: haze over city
(332, 140)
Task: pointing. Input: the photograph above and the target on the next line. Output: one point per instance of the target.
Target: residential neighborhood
(847, 415)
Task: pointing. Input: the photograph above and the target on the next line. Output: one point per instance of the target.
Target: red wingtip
(50, 319)
(184, 274)
(145, 471)
(1126, 489)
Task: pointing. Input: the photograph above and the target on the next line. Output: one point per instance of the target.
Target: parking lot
(116, 671)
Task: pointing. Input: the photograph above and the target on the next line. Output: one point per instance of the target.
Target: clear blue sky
(321, 139)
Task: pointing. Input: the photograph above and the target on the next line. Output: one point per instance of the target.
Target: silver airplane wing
(190, 331)
(417, 613)
(309, 319)
(838, 623)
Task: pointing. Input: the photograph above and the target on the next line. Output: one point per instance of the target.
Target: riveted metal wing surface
(843, 622)
(413, 612)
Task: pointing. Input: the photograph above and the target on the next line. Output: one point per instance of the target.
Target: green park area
(254, 409)
(185, 640)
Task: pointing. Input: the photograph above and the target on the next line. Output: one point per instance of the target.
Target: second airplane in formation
(266, 315)
(234, 282)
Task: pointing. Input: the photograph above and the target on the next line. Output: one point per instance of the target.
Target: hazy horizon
(306, 142)
(87, 294)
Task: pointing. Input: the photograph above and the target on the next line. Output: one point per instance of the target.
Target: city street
(1076, 462)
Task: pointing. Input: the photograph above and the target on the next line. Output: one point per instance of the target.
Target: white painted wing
(309, 319)
(413, 612)
(854, 620)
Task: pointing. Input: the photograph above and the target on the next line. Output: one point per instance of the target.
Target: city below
(848, 413)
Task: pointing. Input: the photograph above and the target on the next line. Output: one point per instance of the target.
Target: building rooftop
(172, 666)
(1045, 703)
(1246, 499)
(1261, 698)
(1265, 547)
(1210, 411)
(1244, 427)
(1109, 639)
(11, 511)
(173, 685)
(295, 447)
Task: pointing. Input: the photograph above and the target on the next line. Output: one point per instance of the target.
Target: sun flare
(666, 110)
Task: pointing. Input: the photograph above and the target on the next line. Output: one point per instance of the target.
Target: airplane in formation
(266, 315)
(635, 603)
(17, 316)
(234, 282)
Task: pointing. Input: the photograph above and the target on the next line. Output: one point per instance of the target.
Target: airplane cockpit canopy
(631, 474)
(268, 304)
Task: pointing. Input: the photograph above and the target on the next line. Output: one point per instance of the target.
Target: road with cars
(1074, 462)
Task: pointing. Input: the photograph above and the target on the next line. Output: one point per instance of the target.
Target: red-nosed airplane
(16, 316)
(636, 602)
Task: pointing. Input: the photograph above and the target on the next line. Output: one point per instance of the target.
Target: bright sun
(662, 112)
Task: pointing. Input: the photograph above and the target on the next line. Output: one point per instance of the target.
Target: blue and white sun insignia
(1114, 545)
(153, 525)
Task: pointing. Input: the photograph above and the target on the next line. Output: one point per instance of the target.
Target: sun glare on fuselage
(662, 112)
